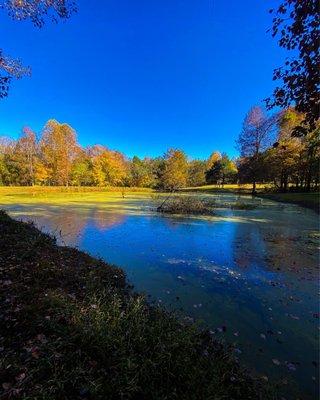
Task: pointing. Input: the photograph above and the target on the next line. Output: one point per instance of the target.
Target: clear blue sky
(141, 76)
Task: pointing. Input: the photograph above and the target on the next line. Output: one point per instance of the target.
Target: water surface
(250, 276)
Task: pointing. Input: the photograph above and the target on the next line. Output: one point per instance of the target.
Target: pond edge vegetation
(72, 327)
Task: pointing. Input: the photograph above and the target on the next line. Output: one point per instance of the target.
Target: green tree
(82, 170)
(222, 171)
(228, 170)
(141, 173)
(5, 144)
(9, 167)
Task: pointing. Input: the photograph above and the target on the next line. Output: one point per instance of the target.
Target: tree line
(272, 151)
(56, 158)
(268, 153)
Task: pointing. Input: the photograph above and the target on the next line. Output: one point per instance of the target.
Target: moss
(72, 328)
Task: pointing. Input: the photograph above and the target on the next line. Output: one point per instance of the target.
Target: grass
(228, 188)
(71, 328)
(308, 200)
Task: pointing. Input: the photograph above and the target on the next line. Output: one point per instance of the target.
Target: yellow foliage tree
(59, 149)
(175, 172)
(109, 168)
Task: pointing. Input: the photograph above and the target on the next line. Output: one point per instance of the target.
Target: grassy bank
(71, 328)
(228, 188)
(308, 200)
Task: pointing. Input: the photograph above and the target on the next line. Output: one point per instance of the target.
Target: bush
(239, 205)
(186, 205)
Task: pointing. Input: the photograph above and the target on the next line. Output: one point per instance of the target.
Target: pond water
(250, 276)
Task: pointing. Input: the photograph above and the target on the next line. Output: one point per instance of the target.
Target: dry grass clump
(239, 205)
(186, 205)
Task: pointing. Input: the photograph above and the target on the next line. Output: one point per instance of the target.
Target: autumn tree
(41, 173)
(283, 158)
(175, 171)
(255, 137)
(109, 168)
(296, 24)
(282, 163)
(222, 171)
(197, 173)
(292, 163)
(59, 149)
(306, 148)
(25, 154)
(213, 158)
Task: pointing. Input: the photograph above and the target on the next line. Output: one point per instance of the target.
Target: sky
(142, 76)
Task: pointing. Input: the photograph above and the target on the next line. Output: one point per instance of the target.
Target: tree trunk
(285, 184)
(308, 182)
(254, 187)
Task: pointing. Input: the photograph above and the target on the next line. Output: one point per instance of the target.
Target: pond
(250, 276)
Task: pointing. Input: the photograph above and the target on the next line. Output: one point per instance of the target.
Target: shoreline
(72, 327)
(310, 200)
